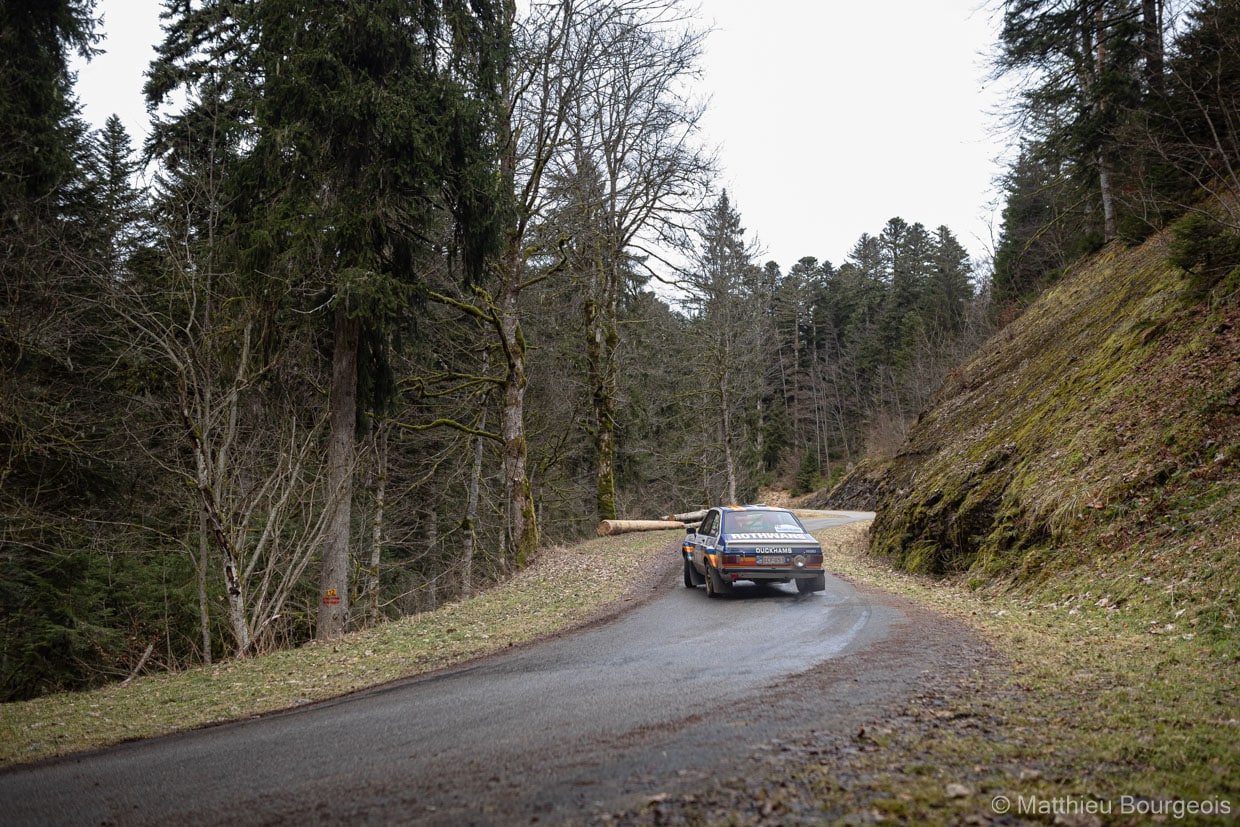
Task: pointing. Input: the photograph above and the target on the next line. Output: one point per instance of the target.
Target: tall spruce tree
(950, 288)
(1084, 68)
(360, 154)
(122, 230)
(731, 327)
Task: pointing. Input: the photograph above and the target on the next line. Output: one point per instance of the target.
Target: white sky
(835, 116)
(830, 117)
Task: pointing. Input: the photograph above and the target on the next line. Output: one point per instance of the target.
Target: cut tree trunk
(609, 527)
(688, 516)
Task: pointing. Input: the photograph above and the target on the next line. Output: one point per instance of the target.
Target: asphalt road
(671, 694)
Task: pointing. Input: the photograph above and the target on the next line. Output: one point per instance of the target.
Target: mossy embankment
(1092, 445)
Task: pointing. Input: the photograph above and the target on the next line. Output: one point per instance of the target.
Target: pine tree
(123, 229)
(949, 289)
(1081, 58)
(1041, 226)
(906, 253)
(731, 327)
(792, 319)
(58, 468)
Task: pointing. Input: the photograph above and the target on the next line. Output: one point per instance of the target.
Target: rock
(958, 791)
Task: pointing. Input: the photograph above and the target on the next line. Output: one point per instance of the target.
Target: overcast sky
(829, 117)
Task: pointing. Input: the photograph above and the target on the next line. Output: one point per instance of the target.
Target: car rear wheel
(716, 586)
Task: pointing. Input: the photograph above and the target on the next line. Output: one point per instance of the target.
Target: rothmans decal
(768, 535)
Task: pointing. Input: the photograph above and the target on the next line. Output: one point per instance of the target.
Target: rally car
(751, 542)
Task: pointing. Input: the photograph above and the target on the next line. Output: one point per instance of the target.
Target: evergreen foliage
(1126, 124)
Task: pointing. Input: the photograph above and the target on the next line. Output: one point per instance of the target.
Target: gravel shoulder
(831, 741)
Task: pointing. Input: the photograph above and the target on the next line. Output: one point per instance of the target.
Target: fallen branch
(150, 647)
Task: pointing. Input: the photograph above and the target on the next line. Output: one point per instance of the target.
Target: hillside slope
(1096, 438)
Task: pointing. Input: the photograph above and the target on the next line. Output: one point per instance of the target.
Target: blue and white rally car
(751, 542)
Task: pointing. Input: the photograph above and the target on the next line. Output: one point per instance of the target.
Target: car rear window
(746, 522)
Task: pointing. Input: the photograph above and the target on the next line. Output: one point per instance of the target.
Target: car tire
(716, 586)
(807, 585)
(690, 579)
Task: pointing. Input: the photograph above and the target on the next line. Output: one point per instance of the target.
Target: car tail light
(731, 559)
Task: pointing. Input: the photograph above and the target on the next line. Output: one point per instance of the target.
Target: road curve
(676, 691)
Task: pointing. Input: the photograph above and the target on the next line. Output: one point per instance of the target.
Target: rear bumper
(769, 573)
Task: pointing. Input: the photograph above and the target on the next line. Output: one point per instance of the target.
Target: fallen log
(688, 516)
(609, 527)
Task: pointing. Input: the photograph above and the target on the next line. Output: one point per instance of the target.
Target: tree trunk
(688, 516)
(1152, 44)
(729, 453)
(1108, 198)
(432, 540)
(522, 529)
(469, 525)
(609, 527)
(333, 617)
(370, 591)
(1101, 102)
(601, 342)
(209, 503)
(204, 613)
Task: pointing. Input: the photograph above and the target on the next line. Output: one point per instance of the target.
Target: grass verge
(565, 587)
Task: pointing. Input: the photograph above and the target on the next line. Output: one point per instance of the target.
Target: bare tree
(251, 469)
(633, 177)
